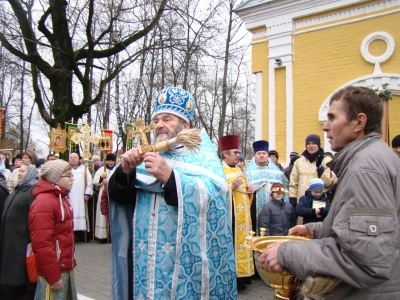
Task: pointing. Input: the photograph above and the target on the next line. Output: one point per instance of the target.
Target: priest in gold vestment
(240, 197)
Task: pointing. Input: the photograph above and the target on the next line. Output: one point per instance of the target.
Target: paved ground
(93, 275)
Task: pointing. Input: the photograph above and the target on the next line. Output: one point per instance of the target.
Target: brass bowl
(285, 284)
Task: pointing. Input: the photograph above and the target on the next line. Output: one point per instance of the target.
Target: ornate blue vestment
(262, 178)
(183, 252)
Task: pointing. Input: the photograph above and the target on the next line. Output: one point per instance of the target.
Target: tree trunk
(224, 101)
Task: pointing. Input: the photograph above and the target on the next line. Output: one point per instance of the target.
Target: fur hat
(31, 154)
(396, 141)
(316, 184)
(52, 170)
(314, 138)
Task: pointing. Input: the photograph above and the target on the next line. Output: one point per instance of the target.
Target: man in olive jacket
(358, 242)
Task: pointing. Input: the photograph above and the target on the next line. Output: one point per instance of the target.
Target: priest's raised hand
(157, 166)
(131, 159)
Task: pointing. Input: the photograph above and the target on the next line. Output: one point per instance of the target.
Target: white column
(289, 109)
(327, 145)
(258, 120)
(271, 105)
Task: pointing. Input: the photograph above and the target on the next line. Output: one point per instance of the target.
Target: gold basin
(286, 285)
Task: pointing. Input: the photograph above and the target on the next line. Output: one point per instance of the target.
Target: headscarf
(3, 184)
(31, 177)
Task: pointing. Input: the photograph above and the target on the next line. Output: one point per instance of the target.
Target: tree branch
(42, 26)
(38, 98)
(80, 54)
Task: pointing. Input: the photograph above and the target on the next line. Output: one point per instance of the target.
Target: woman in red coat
(51, 225)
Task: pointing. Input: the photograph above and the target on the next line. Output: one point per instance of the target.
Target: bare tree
(74, 50)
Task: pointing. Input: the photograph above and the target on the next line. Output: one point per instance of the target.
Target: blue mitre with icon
(175, 101)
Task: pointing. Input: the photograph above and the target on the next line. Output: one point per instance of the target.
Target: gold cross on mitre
(85, 138)
(141, 130)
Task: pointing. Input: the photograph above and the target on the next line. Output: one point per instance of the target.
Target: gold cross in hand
(141, 130)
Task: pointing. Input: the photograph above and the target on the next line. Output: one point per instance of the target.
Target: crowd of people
(179, 219)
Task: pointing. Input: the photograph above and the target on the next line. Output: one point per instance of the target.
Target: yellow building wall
(394, 117)
(260, 64)
(280, 112)
(326, 59)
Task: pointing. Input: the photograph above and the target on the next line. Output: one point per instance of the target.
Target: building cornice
(277, 12)
(349, 13)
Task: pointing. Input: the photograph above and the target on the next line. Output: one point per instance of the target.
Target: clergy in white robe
(81, 191)
(101, 177)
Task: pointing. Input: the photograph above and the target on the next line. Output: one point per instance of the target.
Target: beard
(165, 135)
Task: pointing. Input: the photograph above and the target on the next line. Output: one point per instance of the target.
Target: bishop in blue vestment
(169, 216)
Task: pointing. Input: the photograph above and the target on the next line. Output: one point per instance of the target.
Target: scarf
(317, 155)
(31, 177)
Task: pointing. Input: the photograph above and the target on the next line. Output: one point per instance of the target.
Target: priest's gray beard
(164, 134)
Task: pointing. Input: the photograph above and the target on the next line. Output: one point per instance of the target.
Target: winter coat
(15, 237)
(288, 171)
(359, 240)
(303, 171)
(305, 208)
(277, 217)
(51, 225)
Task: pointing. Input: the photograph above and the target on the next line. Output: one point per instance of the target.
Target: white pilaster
(271, 105)
(289, 108)
(259, 107)
(327, 145)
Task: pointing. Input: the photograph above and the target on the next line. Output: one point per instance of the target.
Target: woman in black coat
(15, 237)
(3, 195)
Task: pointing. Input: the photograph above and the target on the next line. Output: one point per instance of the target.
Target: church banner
(71, 129)
(109, 133)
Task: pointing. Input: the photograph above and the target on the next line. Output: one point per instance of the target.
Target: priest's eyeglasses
(69, 176)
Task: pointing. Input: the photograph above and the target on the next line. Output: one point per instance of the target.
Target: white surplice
(76, 195)
(101, 221)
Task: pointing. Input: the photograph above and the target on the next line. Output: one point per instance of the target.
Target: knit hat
(111, 157)
(316, 184)
(241, 157)
(52, 170)
(277, 187)
(95, 157)
(396, 141)
(39, 162)
(293, 154)
(31, 154)
(273, 152)
(313, 138)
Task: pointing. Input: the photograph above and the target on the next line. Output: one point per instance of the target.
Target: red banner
(109, 133)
